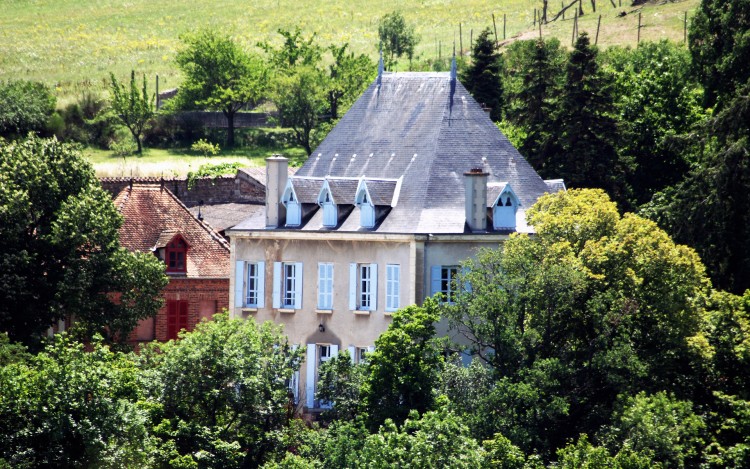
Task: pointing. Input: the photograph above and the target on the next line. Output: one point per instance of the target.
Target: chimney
(276, 176)
(475, 193)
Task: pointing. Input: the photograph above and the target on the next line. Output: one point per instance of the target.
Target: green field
(74, 44)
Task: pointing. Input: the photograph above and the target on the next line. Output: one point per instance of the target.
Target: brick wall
(197, 292)
(221, 190)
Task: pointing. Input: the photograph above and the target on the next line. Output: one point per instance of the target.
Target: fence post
(598, 24)
(503, 26)
(639, 28)
(494, 26)
(684, 32)
(460, 41)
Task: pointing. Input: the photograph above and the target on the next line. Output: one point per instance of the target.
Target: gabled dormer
(363, 201)
(291, 202)
(172, 248)
(328, 204)
(503, 207)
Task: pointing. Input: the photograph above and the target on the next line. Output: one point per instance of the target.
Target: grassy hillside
(74, 44)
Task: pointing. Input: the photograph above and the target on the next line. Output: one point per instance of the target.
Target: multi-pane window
(448, 282)
(325, 286)
(175, 254)
(253, 274)
(392, 281)
(364, 285)
(289, 285)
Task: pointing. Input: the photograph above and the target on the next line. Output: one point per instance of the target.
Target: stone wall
(221, 190)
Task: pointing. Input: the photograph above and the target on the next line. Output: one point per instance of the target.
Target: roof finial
(381, 66)
(453, 65)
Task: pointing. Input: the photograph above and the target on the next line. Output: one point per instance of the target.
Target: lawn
(74, 44)
(177, 162)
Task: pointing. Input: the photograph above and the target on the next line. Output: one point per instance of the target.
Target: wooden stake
(460, 41)
(575, 24)
(639, 28)
(593, 5)
(534, 16)
(471, 39)
(157, 92)
(598, 24)
(503, 26)
(562, 7)
(494, 26)
(613, 3)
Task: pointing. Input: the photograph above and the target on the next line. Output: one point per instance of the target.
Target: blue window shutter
(352, 286)
(298, 285)
(352, 351)
(334, 350)
(310, 378)
(467, 284)
(435, 279)
(261, 284)
(276, 285)
(373, 287)
(239, 284)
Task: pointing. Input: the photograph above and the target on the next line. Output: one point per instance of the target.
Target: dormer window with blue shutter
(504, 209)
(328, 204)
(366, 207)
(291, 202)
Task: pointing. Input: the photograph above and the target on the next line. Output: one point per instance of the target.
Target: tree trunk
(230, 129)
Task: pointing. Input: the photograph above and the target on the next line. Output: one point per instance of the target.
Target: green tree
(219, 75)
(301, 98)
(482, 78)
(25, 106)
(405, 367)
(719, 44)
(535, 76)
(397, 38)
(659, 425)
(657, 101)
(587, 128)
(340, 383)
(59, 248)
(349, 76)
(593, 306)
(220, 392)
(134, 107)
(68, 407)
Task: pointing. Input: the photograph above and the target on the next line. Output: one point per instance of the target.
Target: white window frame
(244, 284)
(363, 287)
(392, 287)
(314, 359)
(325, 286)
(287, 285)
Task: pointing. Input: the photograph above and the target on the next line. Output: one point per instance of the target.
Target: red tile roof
(150, 211)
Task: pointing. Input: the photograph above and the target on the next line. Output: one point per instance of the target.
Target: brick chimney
(475, 193)
(276, 176)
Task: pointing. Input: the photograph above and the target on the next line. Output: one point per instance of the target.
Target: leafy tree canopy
(220, 75)
(59, 248)
(25, 106)
(132, 106)
(397, 38)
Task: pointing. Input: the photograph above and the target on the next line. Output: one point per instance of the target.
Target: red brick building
(196, 258)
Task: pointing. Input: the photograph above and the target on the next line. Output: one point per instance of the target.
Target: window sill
(324, 311)
(388, 313)
(361, 312)
(250, 310)
(286, 310)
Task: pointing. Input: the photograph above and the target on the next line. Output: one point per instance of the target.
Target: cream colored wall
(342, 326)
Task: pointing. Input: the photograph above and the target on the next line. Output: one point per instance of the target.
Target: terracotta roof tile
(152, 213)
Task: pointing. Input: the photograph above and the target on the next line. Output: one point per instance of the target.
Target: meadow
(73, 45)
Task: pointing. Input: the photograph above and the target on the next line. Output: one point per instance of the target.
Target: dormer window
(504, 210)
(175, 255)
(330, 210)
(293, 209)
(366, 209)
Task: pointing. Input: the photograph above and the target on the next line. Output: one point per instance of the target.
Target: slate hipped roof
(152, 216)
(426, 129)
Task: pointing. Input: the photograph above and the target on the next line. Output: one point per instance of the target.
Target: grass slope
(74, 44)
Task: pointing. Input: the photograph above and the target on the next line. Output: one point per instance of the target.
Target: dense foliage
(25, 106)
(60, 251)
(132, 106)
